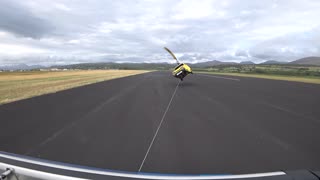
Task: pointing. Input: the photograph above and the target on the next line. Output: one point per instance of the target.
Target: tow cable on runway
(155, 135)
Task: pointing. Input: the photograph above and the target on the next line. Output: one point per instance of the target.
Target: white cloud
(106, 30)
(189, 9)
(11, 49)
(62, 7)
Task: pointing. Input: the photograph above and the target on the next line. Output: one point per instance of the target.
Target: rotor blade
(174, 57)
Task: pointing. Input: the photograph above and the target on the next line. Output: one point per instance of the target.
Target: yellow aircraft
(181, 70)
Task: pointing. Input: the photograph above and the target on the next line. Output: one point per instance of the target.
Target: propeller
(174, 57)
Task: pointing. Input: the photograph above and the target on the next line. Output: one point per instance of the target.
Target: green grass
(304, 79)
(283, 70)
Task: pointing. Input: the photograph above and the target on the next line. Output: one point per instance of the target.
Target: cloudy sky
(50, 32)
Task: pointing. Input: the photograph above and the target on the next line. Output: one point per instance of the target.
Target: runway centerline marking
(155, 135)
(232, 79)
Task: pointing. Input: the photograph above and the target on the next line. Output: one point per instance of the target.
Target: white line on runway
(233, 79)
(155, 135)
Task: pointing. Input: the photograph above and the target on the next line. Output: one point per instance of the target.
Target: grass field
(305, 79)
(272, 69)
(20, 85)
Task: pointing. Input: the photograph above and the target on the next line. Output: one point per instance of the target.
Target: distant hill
(112, 65)
(212, 63)
(307, 61)
(273, 62)
(20, 67)
(247, 62)
(158, 66)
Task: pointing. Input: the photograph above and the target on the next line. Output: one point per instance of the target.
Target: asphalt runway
(207, 124)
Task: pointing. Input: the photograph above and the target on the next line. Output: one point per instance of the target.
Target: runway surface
(206, 124)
